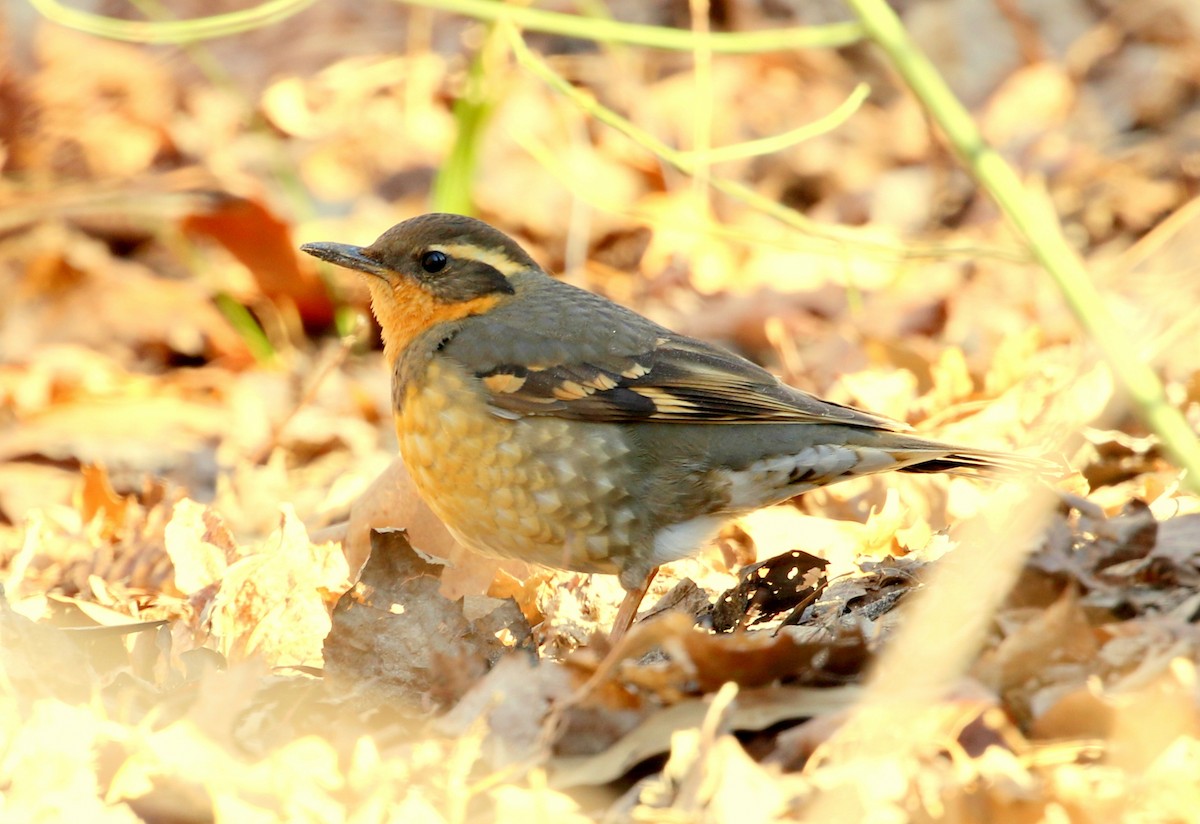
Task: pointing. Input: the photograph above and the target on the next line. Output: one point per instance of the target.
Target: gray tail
(979, 463)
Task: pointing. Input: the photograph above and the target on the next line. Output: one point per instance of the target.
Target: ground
(196, 435)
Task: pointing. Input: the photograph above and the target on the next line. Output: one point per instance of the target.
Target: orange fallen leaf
(263, 244)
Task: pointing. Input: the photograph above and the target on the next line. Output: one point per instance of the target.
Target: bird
(545, 423)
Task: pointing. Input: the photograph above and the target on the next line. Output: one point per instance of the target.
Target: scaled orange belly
(546, 490)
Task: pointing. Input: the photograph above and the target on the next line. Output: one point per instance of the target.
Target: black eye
(433, 262)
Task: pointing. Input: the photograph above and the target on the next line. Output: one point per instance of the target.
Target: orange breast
(545, 490)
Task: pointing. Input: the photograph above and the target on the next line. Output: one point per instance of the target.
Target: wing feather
(677, 380)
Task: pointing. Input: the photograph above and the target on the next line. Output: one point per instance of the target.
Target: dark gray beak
(351, 257)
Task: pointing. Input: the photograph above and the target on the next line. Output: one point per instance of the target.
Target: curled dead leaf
(394, 635)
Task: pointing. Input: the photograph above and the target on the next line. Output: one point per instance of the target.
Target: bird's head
(429, 270)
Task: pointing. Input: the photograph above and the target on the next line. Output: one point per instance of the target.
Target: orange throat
(405, 310)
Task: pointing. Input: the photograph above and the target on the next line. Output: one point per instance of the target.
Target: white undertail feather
(683, 539)
(783, 476)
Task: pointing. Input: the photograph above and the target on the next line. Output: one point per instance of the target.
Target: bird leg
(629, 607)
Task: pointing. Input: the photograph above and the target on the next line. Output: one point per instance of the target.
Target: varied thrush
(545, 423)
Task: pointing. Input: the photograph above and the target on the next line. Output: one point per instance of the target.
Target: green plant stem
(472, 111)
(170, 31)
(778, 142)
(247, 327)
(1041, 230)
(836, 236)
(567, 25)
(658, 37)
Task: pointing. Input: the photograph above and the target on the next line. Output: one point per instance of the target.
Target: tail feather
(980, 463)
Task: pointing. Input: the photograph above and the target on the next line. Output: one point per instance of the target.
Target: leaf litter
(208, 614)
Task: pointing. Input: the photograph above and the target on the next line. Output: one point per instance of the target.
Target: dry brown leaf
(74, 291)
(28, 485)
(888, 392)
(97, 502)
(754, 659)
(1150, 719)
(514, 803)
(263, 244)
(52, 766)
(103, 106)
(511, 702)
(1010, 363)
(394, 637)
(879, 533)
(713, 780)
(682, 239)
(40, 662)
(753, 710)
(59, 372)
(200, 545)
(698, 660)
(524, 591)
(272, 603)
(102, 616)
(153, 433)
(1077, 714)
(1056, 646)
(952, 380)
(776, 585)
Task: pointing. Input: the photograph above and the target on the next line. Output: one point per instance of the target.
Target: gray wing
(568, 353)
